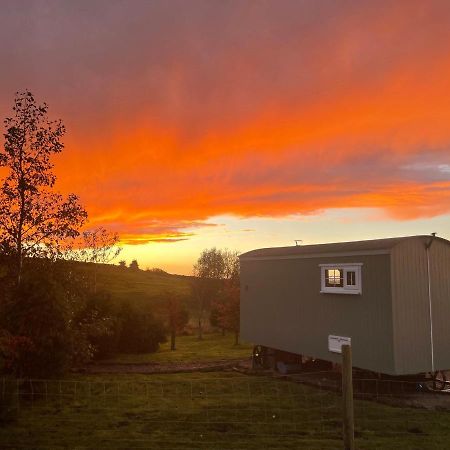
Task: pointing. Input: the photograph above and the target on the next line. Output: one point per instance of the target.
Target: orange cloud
(250, 111)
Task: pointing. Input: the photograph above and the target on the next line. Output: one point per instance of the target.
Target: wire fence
(234, 412)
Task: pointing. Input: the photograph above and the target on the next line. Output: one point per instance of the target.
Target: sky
(241, 124)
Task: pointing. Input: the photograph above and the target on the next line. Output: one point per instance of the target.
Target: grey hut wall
(411, 306)
(282, 307)
(440, 300)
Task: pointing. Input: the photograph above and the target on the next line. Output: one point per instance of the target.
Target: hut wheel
(259, 356)
(436, 381)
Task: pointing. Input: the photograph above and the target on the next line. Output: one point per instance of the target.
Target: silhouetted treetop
(134, 265)
(35, 220)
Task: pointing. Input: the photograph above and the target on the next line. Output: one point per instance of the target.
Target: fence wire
(217, 413)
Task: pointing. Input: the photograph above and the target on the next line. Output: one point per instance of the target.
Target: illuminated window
(334, 277)
(341, 278)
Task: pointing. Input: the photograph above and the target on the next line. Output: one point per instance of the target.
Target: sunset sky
(241, 124)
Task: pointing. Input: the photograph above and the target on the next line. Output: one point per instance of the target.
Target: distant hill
(142, 288)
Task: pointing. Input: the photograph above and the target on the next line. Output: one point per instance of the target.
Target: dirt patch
(160, 368)
(406, 394)
(394, 393)
(438, 401)
(433, 401)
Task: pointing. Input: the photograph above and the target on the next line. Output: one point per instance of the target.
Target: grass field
(213, 411)
(213, 347)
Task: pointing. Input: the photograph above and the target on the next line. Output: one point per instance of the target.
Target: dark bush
(139, 333)
(158, 271)
(99, 324)
(36, 318)
(8, 407)
(18, 353)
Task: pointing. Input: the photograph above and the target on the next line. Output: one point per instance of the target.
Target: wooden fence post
(347, 397)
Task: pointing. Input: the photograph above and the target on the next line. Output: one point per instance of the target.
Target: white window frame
(345, 289)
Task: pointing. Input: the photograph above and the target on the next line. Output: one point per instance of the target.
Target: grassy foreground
(213, 411)
(213, 347)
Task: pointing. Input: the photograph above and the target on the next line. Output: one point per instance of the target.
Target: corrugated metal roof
(335, 248)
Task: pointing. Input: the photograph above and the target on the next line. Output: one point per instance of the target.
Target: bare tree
(96, 246)
(100, 245)
(229, 298)
(208, 271)
(201, 291)
(35, 221)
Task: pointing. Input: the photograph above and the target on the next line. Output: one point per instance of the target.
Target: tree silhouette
(216, 284)
(35, 221)
(227, 302)
(208, 271)
(97, 246)
(134, 265)
(177, 316)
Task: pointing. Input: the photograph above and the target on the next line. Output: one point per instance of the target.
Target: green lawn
(213, 347)
(212, 411)
(223, 410)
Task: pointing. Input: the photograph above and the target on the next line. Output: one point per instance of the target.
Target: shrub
(158, 271)
(8, 412)
(36, 317)
(134, 265)
(97, 327)
(139, 333)
(8, 407)
(17, 352)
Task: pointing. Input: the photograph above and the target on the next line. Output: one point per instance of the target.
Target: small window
(334, 278)
(351, 278)
(341, 278)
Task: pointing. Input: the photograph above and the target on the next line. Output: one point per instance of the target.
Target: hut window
(351, 278)
(341, 278)
(334, 278)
